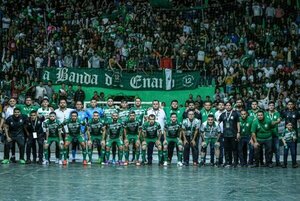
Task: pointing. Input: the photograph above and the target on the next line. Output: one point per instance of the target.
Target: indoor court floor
(96, 182)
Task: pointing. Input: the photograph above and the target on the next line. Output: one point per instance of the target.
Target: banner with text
(121, 80)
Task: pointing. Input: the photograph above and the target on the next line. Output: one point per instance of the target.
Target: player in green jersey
(132, 133)
(114, 134)
(72, 128)
(96, 133)
(53, 130)
(152, 133)
(173, 134)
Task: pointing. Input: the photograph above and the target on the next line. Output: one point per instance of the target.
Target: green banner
(128, 81)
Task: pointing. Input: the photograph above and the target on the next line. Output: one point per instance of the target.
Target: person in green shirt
(274, 116)
(72, 128)
(124, 111)
(289, 138)
(151, 131)
(132, 133)
(53, 130)
(114, 134)
(96, 136)
(179, 113)
(206, 110)
(254, 109)
(173, 135)
(261, 130)
(27, 107)
(244, 141)
(108, 110)
(138, 109)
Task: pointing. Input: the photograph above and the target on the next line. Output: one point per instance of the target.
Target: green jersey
(132, 127)
(123, 115)
(205, 113)
(95, 127)
(245, 125)
(139, 112)
(151, 131)
(273, 117)
(25, 109)
(53, 127)
(262, 129)
(74, 127)
(114, 130)
(179, 112)
(108, 111)
(288, 135)
(253, 114)
(173, 129)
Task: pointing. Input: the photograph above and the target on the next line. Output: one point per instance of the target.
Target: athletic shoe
(179, 164)
(60, 162)
(195, 164)
(126, 163)
(28, 161)
(254, 166)
(284, 166)
(57, 161)
(84, 162)
(201, 163)
(99, 161)
(113, 162)
(295, 165)
(45, 162)
(165, 163)
(65, 162)
(22, 162)
(90, 162)
(270, 165)
(121, 163)
(138, 163)
(5, 161)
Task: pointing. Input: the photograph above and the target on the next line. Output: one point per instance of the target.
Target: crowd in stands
(246, 49)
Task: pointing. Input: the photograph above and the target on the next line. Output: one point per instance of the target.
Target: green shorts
(132, 138)
(79, 138)
(118, 141)
(96, 137)
(53, 139)
(149, 140)
(210, 141)
(176, 140)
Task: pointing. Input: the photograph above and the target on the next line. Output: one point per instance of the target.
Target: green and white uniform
(173, 135)
(210, 132)
(132, 135)
(108, 111)
(95, 129)
(53, 128)
(151, 136)
(114, 133)
(73, 129)
(123, 115)
(139, 112)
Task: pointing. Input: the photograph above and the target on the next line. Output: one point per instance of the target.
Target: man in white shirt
(160, 117)
(62, 114)
(221, 110)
